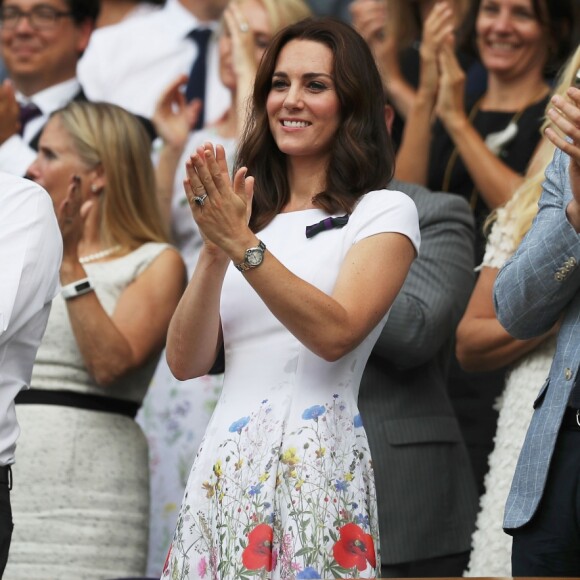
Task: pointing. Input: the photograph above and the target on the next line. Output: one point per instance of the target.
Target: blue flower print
(307, 573)
(313, 412)
(239, 424)
(256, 489)
(357, 421)
(362, 520)
(341, 485)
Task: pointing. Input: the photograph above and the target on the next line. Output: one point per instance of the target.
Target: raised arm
(414, 152)
(173, 120)
(370, 18)
(494, 180)
(113, 345)
(330, 326)
(533, 289)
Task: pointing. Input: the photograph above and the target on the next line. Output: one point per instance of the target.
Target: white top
(131, 63)
(286, 432)
(16, 155)
(30, 256)
(60, 364)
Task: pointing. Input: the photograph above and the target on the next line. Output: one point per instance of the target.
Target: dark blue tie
(27, 113)
(197, 77)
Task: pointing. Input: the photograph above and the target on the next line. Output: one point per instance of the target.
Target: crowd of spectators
(102, 103)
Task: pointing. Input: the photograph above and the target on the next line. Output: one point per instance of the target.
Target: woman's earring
(94, 188)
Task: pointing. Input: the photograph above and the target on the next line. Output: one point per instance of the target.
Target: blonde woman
(81, 502)
(175, 414)
(482, 343)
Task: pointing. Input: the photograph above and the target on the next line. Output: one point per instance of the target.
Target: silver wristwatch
(253, 257)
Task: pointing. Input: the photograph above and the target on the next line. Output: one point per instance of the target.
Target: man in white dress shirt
(131, 63)
(41, 42)
(30, 256)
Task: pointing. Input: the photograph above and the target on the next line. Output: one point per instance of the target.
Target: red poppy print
(355, 548)
(258, 552)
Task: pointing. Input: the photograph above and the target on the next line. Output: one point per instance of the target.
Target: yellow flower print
(210, 489)
(289, 457)
(217, 468)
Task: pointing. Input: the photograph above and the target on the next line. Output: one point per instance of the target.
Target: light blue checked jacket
(536, 286)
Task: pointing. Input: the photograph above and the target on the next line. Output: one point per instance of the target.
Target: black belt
(77, 400)
(6, 476)
(571, 419)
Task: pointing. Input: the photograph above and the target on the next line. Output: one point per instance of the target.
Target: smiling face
(303, 106)
(38, 59)
(258, 21)
(58, 161)
(510, 38)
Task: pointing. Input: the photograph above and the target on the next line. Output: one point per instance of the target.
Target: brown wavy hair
(362, 157)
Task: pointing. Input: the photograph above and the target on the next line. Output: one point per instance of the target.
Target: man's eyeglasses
(40, 17)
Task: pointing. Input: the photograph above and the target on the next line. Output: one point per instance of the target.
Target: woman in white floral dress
(482, 342)
(282, 486)
(175, 413)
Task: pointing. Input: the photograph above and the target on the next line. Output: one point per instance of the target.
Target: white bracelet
(77, 288)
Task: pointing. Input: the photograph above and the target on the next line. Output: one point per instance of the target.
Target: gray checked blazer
(534, 288)
(427, 499)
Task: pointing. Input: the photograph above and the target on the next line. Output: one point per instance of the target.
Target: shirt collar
(52, 98)
(184, 21)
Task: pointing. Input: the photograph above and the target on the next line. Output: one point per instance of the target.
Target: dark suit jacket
(427, 499)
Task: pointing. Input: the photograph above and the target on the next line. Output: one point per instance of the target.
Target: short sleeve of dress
(384, 211)
(500, 243)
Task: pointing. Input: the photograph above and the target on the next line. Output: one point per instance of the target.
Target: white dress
(81, 484)
(282, 486)
(491, 546)
(175, 413)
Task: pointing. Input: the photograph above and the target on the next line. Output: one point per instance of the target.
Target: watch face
(254, 256)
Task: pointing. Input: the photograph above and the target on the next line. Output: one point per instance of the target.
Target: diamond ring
(244, 27)
(200, 199)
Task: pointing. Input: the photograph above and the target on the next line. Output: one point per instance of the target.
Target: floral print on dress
(283, 505)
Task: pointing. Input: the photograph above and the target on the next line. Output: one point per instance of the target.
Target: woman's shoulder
(141, 258)
(384, 200)
(384, 211)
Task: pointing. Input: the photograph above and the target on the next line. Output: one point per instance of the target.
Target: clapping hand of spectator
(174, 118)
(451, 92)
(565, 116)
(438, 32)
(370, 18)
(72, 213)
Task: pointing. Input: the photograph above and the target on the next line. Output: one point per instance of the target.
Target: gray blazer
(534, 288)
(426, 493)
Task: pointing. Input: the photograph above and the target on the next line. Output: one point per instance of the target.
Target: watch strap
(77, 288)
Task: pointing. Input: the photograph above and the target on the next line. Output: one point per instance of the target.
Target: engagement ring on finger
(244, 27)
(200, 199)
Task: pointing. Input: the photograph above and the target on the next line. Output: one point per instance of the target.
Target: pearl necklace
(98, 255)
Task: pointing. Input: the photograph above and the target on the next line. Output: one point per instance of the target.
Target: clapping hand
(565, 134)
(174, 118)
(72, 214)
(221, 208)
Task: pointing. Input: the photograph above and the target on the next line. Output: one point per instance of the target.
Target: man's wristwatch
(253, 257)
